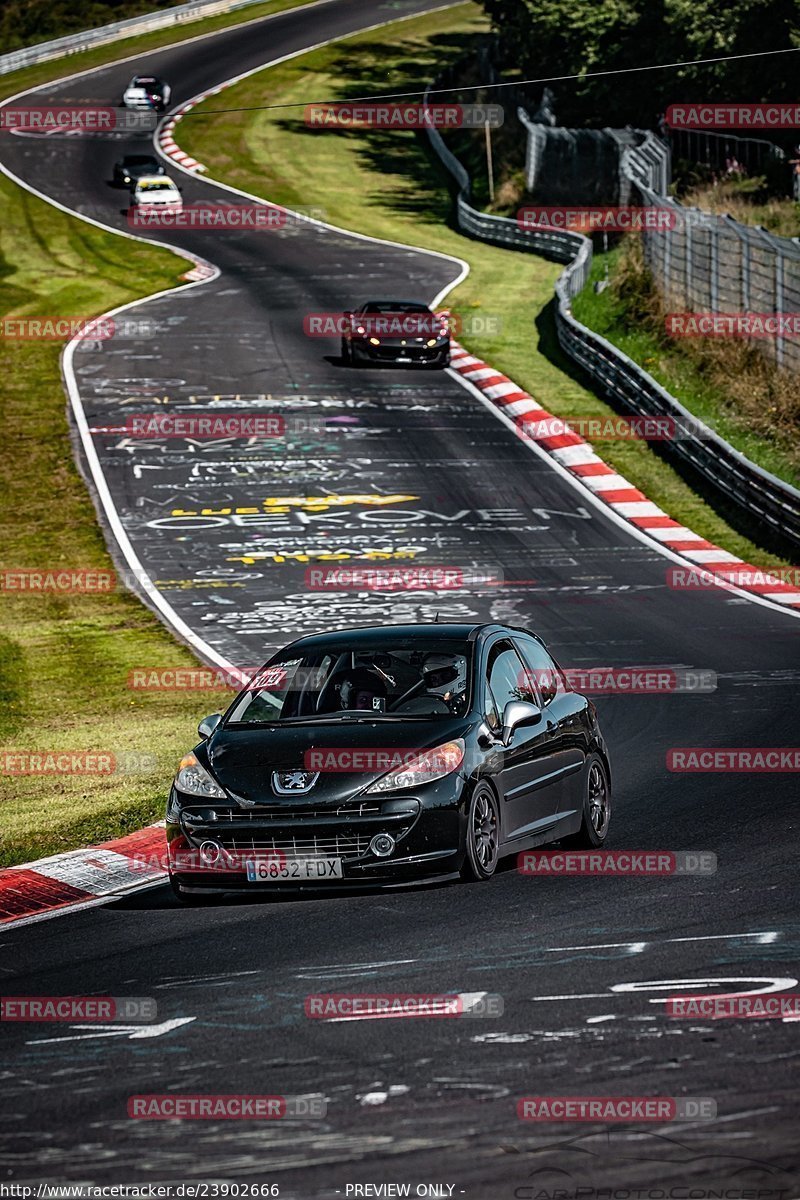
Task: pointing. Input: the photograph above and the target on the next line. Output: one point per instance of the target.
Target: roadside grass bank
(388, 184)
(750, 202)
(65, 659)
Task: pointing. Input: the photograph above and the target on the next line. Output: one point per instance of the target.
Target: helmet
(445, 674)
(363, 688)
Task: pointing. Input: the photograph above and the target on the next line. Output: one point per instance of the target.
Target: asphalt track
(582, 964)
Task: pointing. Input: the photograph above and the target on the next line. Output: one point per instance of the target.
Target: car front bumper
(428, 842)
(394, 352)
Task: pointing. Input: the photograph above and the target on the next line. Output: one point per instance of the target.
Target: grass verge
(65, 659)
(749, 202)
(388, 184)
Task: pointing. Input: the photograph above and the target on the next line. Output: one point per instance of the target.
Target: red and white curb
(166, 141)
(580, 460)
(80, 877)
(203, 270)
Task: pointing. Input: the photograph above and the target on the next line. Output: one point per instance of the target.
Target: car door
(525, 769)
(564, 713)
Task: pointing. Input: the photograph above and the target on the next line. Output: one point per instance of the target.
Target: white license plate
(288, 870)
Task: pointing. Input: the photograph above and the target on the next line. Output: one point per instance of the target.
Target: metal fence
(716, 149)
(615, 140)
(711, 263)
(75, 43)
(753, 490)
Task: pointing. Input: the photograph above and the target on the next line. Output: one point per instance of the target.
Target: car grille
(265, 813)
(339, 846)
(296, 831)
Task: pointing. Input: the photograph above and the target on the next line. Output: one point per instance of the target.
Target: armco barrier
(753, 490)
(75, 43)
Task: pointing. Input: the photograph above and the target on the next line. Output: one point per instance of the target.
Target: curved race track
(465, 491)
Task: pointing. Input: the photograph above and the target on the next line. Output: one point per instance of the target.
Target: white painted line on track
(763, 938)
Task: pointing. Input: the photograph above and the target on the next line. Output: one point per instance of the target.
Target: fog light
(382, 845)
(209, 852)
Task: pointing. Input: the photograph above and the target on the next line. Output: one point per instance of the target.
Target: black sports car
(395, 331)
(132, 167)
(386, 754)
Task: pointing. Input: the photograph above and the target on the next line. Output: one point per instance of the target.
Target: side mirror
(518, 712)
(208, 725)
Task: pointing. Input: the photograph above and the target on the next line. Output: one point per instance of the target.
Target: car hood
(348, 756)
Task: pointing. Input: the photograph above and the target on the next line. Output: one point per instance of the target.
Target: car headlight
(374, 341)
(195, 780)
(425, 768)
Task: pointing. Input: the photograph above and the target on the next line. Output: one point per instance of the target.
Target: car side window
(506, 680)
(545, 673)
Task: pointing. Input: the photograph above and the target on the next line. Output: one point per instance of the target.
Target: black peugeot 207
(383, 755)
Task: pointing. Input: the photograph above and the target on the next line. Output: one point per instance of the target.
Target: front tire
(596, 806)
(482, 836)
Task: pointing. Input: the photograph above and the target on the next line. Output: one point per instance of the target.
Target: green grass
(64, 660)
(748, 202)
(388, 184)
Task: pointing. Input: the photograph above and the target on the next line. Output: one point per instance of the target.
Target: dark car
(388, 754)
(136, 166)
(396, 331)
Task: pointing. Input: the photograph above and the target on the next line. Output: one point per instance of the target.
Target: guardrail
(75, 43)
(753, 490)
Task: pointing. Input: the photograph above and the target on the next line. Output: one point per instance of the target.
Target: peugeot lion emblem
(293, 783)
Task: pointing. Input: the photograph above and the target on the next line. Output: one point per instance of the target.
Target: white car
(157, 192)
(145, 91)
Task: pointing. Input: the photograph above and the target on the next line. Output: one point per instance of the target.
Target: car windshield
(397, 681)
(157, 185)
